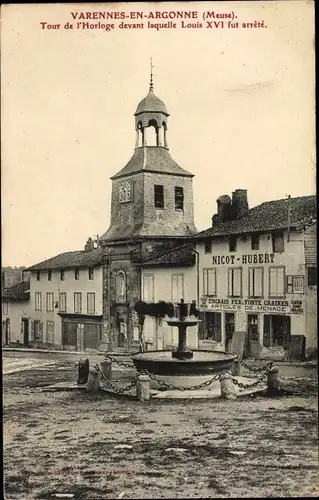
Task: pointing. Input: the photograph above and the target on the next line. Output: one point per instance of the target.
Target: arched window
(120, 287)
(152, 133)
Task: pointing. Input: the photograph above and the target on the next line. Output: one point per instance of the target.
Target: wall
(167, 221)
(16, 311)
(69, 285)
(160, 335)
(311, 291)
(293, 258)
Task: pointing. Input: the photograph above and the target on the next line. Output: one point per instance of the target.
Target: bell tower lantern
(151, 120)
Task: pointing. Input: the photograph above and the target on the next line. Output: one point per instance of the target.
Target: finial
(151, 79)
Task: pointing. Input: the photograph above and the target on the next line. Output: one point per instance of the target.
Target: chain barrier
(118, 362)
(171, 387)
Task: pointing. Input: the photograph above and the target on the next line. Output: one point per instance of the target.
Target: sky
(241, 104)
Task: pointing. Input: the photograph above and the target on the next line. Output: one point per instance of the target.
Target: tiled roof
(19, 291)
(152, 159)
(180, 256)
(71, 259)
(151, 103)
(269, 216)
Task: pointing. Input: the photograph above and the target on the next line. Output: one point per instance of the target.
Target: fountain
(183, 366)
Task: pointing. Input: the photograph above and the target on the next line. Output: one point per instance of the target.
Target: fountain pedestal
(181, 352)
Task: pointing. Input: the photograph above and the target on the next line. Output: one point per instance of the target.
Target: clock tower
(151, 212)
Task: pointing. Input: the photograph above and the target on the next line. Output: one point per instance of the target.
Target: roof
(66, 260)
(269, 216)
(19, 291)
(151, 103)
(183, 255)
(152, 159)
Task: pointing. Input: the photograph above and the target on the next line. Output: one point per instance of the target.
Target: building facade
(67, 300)
(151, 213)
(16, 314)
(258, 277)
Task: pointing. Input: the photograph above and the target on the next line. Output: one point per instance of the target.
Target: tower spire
(151, 78)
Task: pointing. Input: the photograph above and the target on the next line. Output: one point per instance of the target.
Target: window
(208, 246)
(212, 326)
(120, 287)
(177, 287)
(253, 327)
(235, 282)
(91, 303)
(4, 307)
(77, 302)
(148, 288)
(38, 301)
(312, 276)
(49, 275)
(232, 243)
(255, 282)
(91, 273)
(62, 302)
(159, 196)
(62, 275)
(76, 274)
(179, 198)
(37, 330)
(49, 301)
(278, 242)
(209, 283)
(276, 281)
(38, 275)
(50, 332)
(255, 241)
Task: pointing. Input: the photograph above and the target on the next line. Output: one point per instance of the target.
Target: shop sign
(252, 258)
(252, 305)
(295, 284)
(296, 306)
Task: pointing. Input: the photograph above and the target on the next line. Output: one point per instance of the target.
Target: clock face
(125, 192)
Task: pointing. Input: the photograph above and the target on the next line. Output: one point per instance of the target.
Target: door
(7, 331)
(252, 339)
(92, 334)
(229, 330)
(69, 334)
(25, 323)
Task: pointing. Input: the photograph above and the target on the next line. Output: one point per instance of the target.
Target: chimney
(89, 246)
(239, 204)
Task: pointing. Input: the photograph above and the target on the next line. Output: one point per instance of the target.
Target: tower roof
(151, 103)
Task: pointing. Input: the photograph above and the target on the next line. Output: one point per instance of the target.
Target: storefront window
(253, 327)
(212, 326)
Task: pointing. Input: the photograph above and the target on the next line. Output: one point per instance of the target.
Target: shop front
(256, 326)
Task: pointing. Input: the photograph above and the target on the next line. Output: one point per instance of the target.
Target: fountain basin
(202, 362)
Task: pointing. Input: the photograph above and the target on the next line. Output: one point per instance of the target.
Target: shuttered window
(50, 332)
(49, 301)
(38, 301)
(62, 302)
(209, 282)
(177, 287)
(255, 276)
(91, 303)
(235, 282)
(276, 281)
(77, 302)
(148, 288)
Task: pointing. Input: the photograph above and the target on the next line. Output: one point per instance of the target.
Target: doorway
(276, 331)
(25, 327)
(252, 338)
(229, 330)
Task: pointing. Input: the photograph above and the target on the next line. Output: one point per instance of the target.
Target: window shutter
(237, 282)
(258, 292)
(218, 328)
(41, 331)
(266, 340)
(230, 282)
(273, 282)
(251, 282)
(201, 325)
(205, 287)
(280, 280)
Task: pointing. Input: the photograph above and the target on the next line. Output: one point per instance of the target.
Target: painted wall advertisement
(253, 305)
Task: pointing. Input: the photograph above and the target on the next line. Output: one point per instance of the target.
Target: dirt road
(98, 447)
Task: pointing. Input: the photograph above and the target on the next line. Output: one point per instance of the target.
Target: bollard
(236, 368)
(227, 387)
(143, 387)
(273, 383)
(106, 368)
(83, 371)
(93, 383)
